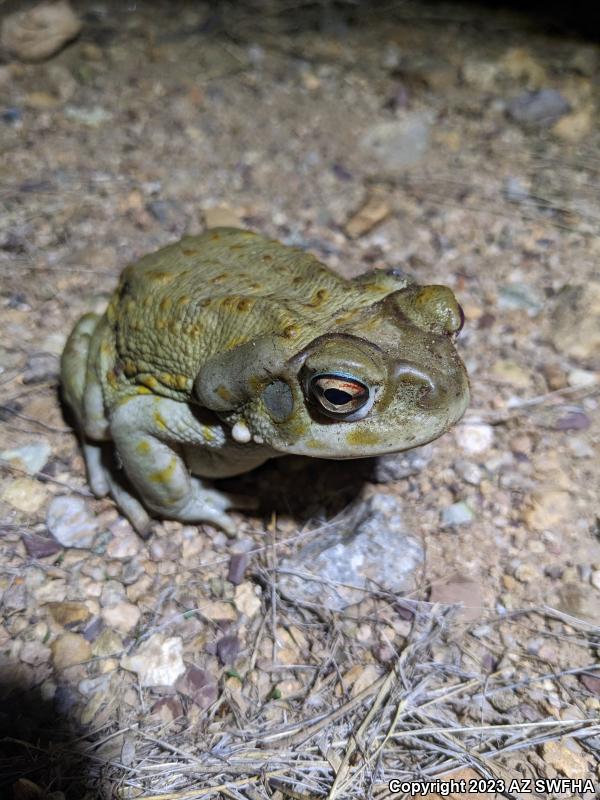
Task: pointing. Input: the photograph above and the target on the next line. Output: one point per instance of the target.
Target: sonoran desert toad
(226, 349)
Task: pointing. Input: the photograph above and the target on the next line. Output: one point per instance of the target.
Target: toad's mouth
(343, 440)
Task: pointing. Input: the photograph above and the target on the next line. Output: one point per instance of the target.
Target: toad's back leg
(79, 382)
(150, 434)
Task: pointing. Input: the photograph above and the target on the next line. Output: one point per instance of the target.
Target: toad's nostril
(430, 391)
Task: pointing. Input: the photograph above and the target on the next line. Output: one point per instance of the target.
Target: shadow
(336, 18)
(304, 488)
(41, 746)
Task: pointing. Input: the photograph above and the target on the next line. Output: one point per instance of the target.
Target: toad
(223, 350)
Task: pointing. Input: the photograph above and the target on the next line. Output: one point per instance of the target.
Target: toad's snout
(433, 388)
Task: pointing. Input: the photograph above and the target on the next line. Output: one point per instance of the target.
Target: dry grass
(423, 717)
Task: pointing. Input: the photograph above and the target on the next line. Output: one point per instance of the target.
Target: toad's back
(205, 295)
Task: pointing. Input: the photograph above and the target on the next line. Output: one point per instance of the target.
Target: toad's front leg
(150, 435)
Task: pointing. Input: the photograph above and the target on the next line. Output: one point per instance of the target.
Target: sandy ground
(372, 136)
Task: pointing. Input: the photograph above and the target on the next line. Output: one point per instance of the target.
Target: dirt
(374, 136)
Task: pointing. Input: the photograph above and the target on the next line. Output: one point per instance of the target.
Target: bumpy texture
(226, 349)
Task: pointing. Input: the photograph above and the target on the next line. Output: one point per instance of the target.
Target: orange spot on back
(159, 276)
(148, 380)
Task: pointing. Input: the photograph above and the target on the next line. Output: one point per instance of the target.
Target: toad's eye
(338, 395)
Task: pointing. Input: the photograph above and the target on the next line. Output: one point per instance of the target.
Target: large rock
(368, 547)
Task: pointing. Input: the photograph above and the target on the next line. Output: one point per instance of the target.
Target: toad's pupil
(337, 397)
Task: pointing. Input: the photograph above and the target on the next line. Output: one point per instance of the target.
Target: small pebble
(522, 66)
(108, 643)
(40, 546)
(591, 683)
(68, 614)
(11, 116)
(198, 685)
(460, 591)
(167, 709)
(580, 448)
(554, 375)
(549, 509)
(30, 457)
(70, 649)
(575, 126)
(469, 472)
(504, 700)
(51, 591)
(91, 117)
(228, 648)
(582, 377)
(238, 563)
(474, 438)
(25, 495)
(521, 296)
(521, 444)
(161, 210)
(567, 758)
(399, 143)
(569, 418)
(538, 108)
(131, 572)
(40, 367)
(113, 592)
(511, 373)
(89, 686)
(515, 191)
(574, 325)
(457, 514)
(121, 616)
(158, 661)
(397, 466)
(125, 544)
(246, 599)
(35, 653)
(526, 573)
(70, 522)
(37, 33)
(92, 630)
